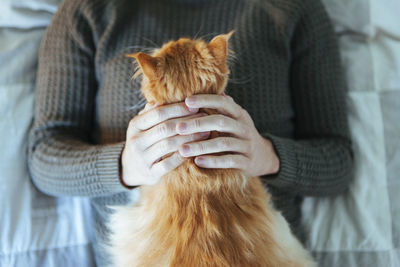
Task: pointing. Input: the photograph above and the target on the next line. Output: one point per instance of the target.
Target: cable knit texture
(286, 73)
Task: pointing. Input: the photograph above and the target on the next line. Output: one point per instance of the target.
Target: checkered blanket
(359, 228)
(362, 227)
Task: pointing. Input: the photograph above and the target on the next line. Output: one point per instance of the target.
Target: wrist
(271, 163)
(121, 174)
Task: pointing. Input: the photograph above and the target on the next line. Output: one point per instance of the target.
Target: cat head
(184, 67)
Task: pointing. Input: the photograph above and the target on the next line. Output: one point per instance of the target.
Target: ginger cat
(196, 217)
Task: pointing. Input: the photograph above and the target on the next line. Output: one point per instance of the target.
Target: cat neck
(189, 188)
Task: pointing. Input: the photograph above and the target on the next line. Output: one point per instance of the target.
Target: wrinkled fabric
(36, 230)
(362, 227)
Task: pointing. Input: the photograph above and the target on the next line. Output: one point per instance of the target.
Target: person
(284, 104)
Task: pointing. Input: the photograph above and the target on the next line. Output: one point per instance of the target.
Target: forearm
(62, 165)
(269, 164)
(62, 158)
(312, 167)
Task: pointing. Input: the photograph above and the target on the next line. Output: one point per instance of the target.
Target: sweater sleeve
(62, 157)
(319, 160)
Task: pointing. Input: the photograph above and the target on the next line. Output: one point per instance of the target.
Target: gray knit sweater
(287, 75)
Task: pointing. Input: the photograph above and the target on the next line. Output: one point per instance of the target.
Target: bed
(36, 230)
(359, 228)
(362, 227)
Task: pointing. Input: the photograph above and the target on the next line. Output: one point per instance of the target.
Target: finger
(159, 114)
(218, 122)
(166, 165)
(215, 145)
(230, 161)
(171, 144)
(161, 131)
(224, 104)
(147, 107)
(132, 130)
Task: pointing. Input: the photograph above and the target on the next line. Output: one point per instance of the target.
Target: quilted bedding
(359, 228)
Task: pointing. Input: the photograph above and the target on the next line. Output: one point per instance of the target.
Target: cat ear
(219, 46)
(147, 63)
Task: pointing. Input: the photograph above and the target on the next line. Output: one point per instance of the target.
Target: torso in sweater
(274, 42)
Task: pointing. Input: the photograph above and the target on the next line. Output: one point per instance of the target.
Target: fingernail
(192, 109)
(199, 160)
(190, 100)
(185, 149)
(182, 126)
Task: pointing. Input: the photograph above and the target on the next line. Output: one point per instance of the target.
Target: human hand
(249, 151)
(151, 135)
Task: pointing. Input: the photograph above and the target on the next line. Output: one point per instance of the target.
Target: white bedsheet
(362, 227)
(35, 229)
(27, 14)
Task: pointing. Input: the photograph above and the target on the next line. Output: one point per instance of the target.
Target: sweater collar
(192, 2)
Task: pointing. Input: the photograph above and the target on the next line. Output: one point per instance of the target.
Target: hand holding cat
(251, 152)
(151, 136)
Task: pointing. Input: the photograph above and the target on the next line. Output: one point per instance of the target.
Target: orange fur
(195, 216)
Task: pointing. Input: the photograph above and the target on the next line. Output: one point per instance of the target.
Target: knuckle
(163, 147)
(231, 162)
(131, 123)
(159, 114)
(189, 138)
(179, 109)
(171, 126)
(247, 148)
(199, 147)
(134, 142)
(229, 99)
(163, 129)
(225, 143)
(244, 129)
(244, 113)
(241, 111)
(170, 143)
(197, 123)
(222, 121)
